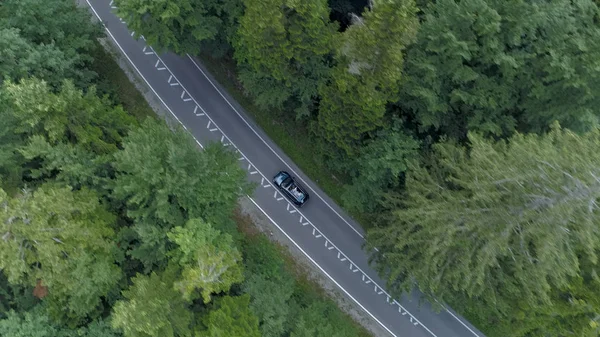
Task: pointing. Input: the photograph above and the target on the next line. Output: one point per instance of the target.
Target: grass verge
(291, 137)
(114, 82)
(306, 290)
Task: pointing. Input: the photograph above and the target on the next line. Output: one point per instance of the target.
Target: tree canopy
(501, 223)
(369, 67)
(181, 25)
(232, 317)
(59, 29)
(432, 120)
(283, 48)
(61, 238)
(152, 308)
(208, 259)
(495, 67)
(114, 223)
(165, 181)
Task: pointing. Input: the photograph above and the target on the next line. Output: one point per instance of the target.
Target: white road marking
(321, 268)
(262, 175)
(272, 150)
(136, 68)
(246, 122)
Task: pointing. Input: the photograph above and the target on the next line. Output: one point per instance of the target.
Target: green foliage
(61, 238)
(269, 285)
(77, 168)
(21, 58)
(30, 324)
(378, 168)
(231, 318)
(494, 66)
(262, 258)
(65, 135)
(14, 297)
(319, 319)
(502, 224)
(270, 302)
(180, 25)
(367, 75)
(153, 308)
(208, 259)
(60, 30)
(282, 48)
(68, 116)
(165, 179)
(37, 324)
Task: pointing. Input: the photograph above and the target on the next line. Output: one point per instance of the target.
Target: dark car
(290, 188)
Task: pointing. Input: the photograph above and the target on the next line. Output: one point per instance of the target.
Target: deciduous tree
(232, 317)
(153, 308)
(208, 260)
(494, 67)
(182, 25)
(282, 48)
(501, 224)
(36, 323)
(28, 324)
(164, 179)
(269, 301)
(379, 167)
(60, 24)
(21, 59)
(366, 78)
(66, 134)
(63, 239)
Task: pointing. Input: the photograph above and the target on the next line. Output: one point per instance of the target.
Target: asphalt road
(324, 233)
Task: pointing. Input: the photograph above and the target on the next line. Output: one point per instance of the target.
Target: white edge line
(138, 71)
(229, 103)
(264, 178)
(458, 319)
(320, 268)
(272, 150)
(305, 183)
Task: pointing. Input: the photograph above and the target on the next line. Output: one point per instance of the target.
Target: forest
(114, 223)
(462, 134)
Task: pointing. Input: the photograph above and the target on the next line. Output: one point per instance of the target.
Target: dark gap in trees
(341, 11)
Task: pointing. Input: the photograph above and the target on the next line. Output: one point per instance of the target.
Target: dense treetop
(439, 118)
(115, 226)
(502, 224)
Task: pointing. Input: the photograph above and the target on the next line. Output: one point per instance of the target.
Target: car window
(279, 178)
(295, 191)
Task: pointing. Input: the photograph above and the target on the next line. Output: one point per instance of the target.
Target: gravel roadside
(259, 220)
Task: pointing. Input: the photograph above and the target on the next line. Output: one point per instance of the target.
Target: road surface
(321, 230)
